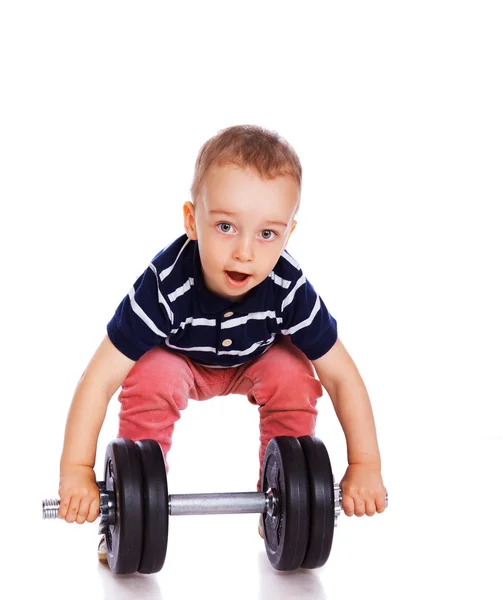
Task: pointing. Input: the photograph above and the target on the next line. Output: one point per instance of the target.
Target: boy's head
(246, 192)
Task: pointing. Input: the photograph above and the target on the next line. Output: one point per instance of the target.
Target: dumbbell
(299, 504)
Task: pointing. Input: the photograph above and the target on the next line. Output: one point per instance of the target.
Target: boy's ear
(294, 225)
(189, 220)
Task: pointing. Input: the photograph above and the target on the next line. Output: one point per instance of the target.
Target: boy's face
(242, 224)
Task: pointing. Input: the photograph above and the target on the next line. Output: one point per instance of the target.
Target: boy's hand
(363, 492)
(79, 495)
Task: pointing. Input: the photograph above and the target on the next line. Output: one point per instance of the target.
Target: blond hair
(247, 146)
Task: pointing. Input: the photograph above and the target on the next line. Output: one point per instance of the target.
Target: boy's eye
(224, 227)
(268, 234)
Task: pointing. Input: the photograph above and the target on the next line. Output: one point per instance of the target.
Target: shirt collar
(254, 301)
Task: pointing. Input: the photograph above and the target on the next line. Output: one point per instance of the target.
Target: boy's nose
(243, 250)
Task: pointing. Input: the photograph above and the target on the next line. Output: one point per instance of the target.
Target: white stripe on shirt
(161, 298)
(143, 316)
(306, 322)
(256, 315)
(239, 364)
(291, 260)
(301, 281)
(193, 349)
(167, 271)
(284, 283)
(181, 290)
(249, 350)
(195, 321)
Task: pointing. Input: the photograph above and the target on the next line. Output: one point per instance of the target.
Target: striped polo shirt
(170, 306)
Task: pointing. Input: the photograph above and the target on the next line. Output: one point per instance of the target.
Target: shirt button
(226, 343)
(228, 314)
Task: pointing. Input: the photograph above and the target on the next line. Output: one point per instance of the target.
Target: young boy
(224, 309)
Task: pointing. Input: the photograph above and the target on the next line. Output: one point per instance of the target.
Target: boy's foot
(260, 527)
(102, 550)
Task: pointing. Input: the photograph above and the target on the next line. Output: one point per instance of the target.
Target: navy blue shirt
(170, 306)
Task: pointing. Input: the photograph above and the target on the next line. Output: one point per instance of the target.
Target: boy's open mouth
(237, 277)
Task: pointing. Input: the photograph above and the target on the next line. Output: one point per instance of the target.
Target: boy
(224, 309)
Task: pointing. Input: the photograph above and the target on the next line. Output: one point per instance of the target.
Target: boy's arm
(104, 374)
(363, 490)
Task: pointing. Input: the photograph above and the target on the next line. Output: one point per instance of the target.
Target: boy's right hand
(79, 495)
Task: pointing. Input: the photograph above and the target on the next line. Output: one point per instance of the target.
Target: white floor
(439, 537)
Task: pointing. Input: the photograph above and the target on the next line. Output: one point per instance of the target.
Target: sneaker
(102, 550)
(260, 527)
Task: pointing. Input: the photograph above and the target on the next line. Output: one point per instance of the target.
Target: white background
(395, 109)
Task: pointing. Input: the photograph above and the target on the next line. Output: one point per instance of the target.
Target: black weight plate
(124, 534)
(155, 491)
(286, 533)
(321, 487)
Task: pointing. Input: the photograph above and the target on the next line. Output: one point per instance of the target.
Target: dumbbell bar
(192, 504)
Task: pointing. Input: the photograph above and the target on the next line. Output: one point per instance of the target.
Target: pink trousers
(281, 383)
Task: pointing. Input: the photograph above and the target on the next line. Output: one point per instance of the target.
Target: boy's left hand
(363, 492)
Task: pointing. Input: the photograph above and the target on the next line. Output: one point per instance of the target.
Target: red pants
(281, 383)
